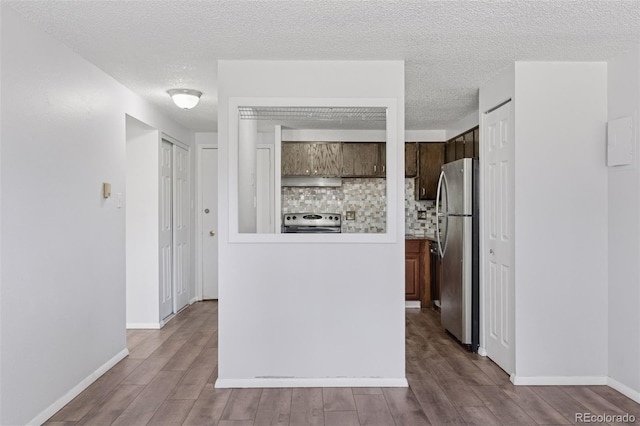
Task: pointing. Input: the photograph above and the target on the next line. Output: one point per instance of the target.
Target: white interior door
(181, 253)
(166, 230)
(499, 247)
(209, 221)
(264, 191)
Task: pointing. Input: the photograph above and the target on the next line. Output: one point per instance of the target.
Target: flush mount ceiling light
(185, 98)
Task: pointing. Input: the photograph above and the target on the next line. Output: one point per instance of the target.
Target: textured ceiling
(450, 47)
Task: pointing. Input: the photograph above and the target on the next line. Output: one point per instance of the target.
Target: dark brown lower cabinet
(412, 276)
(417, 271)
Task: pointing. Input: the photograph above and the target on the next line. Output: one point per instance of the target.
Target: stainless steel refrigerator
(457, 236)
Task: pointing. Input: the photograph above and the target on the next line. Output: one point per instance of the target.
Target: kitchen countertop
(427, 236)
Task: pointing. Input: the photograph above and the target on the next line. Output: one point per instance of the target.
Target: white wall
(283, 319)
(247, 170)
(206, 138)
(63, 245)
(561, 221)
(142, 239)
(624, 233)
(467, 122)
(498, 90)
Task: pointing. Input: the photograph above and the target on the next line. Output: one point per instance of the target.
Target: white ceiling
(450, 47)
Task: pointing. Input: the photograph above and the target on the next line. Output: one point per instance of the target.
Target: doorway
(157, 208)
(208, 214)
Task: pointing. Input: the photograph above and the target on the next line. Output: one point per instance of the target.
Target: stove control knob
(336, 218)
(288, 217)
(294, 218)
(330, 217)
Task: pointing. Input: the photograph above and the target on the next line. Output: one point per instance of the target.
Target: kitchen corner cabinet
(312, 159)
(363, 159)
(410, 159)
(431, 157)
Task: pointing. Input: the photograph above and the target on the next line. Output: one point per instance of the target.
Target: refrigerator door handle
(442, 182)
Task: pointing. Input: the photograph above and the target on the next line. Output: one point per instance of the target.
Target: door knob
(212, 233)
(491, 251)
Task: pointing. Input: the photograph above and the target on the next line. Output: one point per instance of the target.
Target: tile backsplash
(367, 197)
(412, 206)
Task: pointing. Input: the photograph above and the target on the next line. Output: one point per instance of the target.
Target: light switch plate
(106, 190)
(422, 215)
(351, 215)
(620, 142)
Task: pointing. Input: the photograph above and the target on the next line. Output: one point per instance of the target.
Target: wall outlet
(422, 215)
(351, 215)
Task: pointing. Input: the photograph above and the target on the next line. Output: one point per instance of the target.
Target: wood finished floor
(168, 380)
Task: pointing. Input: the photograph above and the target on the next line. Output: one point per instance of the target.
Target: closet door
(180, 227)
(166, 229)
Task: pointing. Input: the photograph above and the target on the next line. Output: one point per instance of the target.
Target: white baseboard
(482, 351)
(412, 304)
(77, 389)
(624, 389)
(276, 382)
(559, 380)
(144, 325)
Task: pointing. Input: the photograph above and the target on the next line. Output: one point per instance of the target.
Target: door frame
(198, 248)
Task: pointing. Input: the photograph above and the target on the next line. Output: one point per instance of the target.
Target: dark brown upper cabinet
(326, 159)
(312, 159)
(382, 160)
(363, 159)
(410, 159)
(296, 159)
(450, 151)
(476, 143)
(459, 142)
(430, 160)
(468, 145)
(465, 145)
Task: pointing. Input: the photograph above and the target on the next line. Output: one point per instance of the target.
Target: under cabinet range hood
(311, 181)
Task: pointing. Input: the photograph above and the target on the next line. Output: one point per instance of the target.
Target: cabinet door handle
(424, 191)
(374, 168)
(383, 167)
(306, 171)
